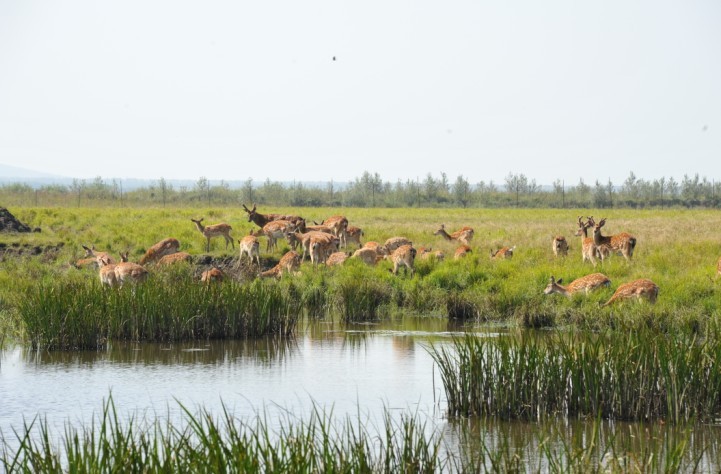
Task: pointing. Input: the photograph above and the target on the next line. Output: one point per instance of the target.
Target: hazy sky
(250, 89)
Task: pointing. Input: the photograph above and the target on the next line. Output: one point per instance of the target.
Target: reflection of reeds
(82, 315)
(621, 375)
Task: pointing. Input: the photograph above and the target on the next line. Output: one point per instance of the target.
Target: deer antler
(591, 222)
(246, 209)
(600, 224)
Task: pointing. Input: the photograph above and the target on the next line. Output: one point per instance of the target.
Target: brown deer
(353, 235)
(214, 230)
(503, 252)
(584, 284)
(394, 242)
(336, 259)
(290, 263)
(262, 219)
(161, 249)
(112, 274)
(305, 239)
(559, 246)
(378, 248)
(464, 235)
(637, 289)
(404, 256)
(250, 246)
(275, 230)
(91, 252)
(427, 253)
(462, 252)
(214, 275)
(339, 227)
(588, 248)
(174, 258)
(367, 255)
(624, 243)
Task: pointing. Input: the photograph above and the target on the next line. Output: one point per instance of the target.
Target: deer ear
(559, 281)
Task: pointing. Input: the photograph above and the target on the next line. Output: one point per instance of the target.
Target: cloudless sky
(250, 89)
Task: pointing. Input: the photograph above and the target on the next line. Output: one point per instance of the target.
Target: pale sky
(250, 89)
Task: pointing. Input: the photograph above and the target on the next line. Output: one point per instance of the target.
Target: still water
(365, 370)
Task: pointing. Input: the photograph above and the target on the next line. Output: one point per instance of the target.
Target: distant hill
(12, 173)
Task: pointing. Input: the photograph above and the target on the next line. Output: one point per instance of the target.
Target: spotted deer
(174, 258)
(353, 235)
(367, 255)
(213, 275)
(161, 249)
(394, 242)
(637, 289)
(404, 256)
(339, 227)
(427, 253)
(589, 252)
(289, 263)
(275, 230)
(250, 246)
(624, 243)
(464, 235)
(559, 246)
(503, 253)
(462, 251)
(336, 259)
(305, 239)
(90, 252)
(112, 274)
(584, 284)
(214, 230)
(378, 248)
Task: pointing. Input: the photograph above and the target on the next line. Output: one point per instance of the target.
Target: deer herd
(322, 244)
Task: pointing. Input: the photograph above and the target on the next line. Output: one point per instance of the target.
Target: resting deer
(462, 252)
(174, 258)
(367, 255)
(638, 289)
(503, 252)
(214, 230)
(403, 256)
(379, 249)
(250, 246)
(464, 235)
(262, 219)
(624, 242)
(559, 246)
(584, 284)
(214, 275)
(290, 263)
(161, 249)
(91, 252)
(336, 258)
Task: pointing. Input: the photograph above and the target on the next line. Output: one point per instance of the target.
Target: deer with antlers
(464, 235)
(589, 250)
(210, 231)
(262, 219)
(584, 284)
(624, 243)
(637, 289)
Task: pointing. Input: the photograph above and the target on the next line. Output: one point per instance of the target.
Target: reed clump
(620, 375)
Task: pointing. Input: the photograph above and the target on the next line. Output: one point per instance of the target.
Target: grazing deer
(262, 219)
(462, 251)
(165, 247)
(638, 289)
(275, 230)
(588, 248)
(353, 235)
(464, 235)
(503, 252)
(112, 274)
(584, 284)
(290, 263)
(214, 275)
(336, 258)
(214, 230)
(559, 246)
(174, 258)
(404, 256)
(321, 246)
(367, 255)
(394, 242)
(305, 239)
(378, 248)
(250, 246)
(624, 242)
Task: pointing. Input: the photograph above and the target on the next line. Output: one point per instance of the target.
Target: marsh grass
(620, 375)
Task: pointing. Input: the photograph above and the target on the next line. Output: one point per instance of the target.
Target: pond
(367, 369)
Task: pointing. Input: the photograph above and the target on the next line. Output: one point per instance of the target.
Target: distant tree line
(370, 190)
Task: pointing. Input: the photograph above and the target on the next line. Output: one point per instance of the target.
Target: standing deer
(367, 255)
(214, 230)
(395, 242)
(161, 249)
(638, 289)
(262, 219)
(559, 246)
(464, 235)
(589, 251)
(250, 246)
(584, 284)
(353, 235)
(275, 230)
(112, 274)
(624, 242)
(404, 256)
(339, 227)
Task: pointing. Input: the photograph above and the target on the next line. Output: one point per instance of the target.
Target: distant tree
(461, 191)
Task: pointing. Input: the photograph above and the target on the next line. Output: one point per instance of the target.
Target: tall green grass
(618, 375)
